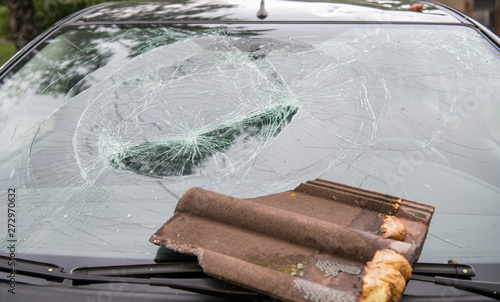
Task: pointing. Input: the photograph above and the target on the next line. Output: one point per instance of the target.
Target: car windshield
(105, 127)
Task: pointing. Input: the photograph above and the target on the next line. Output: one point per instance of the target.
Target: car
(112, 114)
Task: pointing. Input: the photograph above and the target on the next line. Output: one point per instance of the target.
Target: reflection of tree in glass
(182, 156)
(62, 65)
(186, 10)
(69, 58)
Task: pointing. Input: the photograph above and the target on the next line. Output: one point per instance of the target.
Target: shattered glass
(104, 128)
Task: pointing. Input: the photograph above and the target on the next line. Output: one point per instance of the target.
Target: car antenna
(262, 13)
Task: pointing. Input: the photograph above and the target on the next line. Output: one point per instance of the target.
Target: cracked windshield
(105, 127)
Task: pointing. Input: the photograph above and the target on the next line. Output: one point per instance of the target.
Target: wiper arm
(484, 288)
(201, 285)
(456, 275)
(31, 268)
(452, 270)
(167, 275)
(163, 274)
(171, 269)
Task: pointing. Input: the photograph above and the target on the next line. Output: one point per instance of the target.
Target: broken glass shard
(176, 157)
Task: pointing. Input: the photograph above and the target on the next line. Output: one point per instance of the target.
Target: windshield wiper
(178, 275)
(189, 276)
(171, 269)
(31, 268)
(452, 270)
(456, 275)
(183, 275)
(484, 288)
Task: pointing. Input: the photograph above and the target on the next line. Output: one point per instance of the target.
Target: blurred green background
(48, 12)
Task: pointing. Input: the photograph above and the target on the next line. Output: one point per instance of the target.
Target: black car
(112, 114)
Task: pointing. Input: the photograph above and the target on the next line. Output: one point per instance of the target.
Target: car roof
(227, 11)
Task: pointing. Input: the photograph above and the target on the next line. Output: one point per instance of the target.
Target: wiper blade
(167, 275)
(162, 274)
(171, 269)
(488, 289)
(202, 285)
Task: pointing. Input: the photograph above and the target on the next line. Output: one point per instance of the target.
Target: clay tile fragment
(395, 260)
(385, 277)
(303, 245)
(393, 228)
(419, 7)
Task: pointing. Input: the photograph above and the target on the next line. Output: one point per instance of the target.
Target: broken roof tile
(296, 245)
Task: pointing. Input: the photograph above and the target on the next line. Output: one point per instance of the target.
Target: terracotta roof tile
(298, 245)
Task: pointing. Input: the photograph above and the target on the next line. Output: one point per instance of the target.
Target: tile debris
(307, 244)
